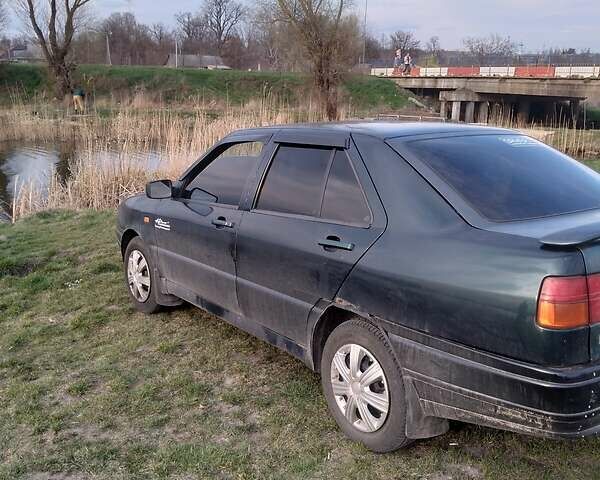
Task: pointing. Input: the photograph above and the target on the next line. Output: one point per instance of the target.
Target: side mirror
(159, 189)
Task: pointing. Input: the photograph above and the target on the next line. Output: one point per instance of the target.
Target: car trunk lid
(591, 254)
(576, 231)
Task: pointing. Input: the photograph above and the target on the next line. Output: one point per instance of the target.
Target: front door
(196, 232)
(309, 225)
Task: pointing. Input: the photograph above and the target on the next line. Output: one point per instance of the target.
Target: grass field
(159, 84)
(91, 389)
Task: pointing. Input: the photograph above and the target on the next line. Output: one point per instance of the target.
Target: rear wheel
(139, 276)
(363, 386)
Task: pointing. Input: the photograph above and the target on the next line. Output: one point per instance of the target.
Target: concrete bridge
(475, 99)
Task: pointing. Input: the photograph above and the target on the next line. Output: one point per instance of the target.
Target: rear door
(196, 231)
(315, 214)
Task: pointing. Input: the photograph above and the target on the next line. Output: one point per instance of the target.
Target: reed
(179, 137)
(579, 143)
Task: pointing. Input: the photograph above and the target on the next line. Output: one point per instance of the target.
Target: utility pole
(176, 57)
(365, 34)
(108, 57)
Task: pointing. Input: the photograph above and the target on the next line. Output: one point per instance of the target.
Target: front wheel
(140, 278)
(363, 386)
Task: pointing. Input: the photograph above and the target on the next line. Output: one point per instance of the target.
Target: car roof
(380, 129)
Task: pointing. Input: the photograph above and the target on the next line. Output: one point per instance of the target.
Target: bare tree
(221, 18)
(5, 43)
(319, 24)
(3, 16)
(404, 41)
(494, 45)
(54, 25)
(130, 42)
(192, 29)
(160, 34)
(433, 46)
(374, 50)
(275, 38)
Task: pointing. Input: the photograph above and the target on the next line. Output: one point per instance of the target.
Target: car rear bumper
(455, 382)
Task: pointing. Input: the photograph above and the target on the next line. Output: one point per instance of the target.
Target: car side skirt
(249, 326)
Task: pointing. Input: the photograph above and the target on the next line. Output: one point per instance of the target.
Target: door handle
(222, 222)
(334, 242)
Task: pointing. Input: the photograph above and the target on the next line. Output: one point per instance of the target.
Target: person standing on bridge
(398, 59)
(407, 64)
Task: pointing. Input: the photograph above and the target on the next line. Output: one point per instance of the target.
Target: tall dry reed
(577, 142)
(177, 137)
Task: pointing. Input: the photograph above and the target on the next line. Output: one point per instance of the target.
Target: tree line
(324, 37)
(319, 36)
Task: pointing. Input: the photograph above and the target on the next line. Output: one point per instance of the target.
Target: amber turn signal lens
(563, 303)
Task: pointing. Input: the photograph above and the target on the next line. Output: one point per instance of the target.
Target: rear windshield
(510, 177)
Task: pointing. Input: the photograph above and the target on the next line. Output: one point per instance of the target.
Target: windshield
(510, 177)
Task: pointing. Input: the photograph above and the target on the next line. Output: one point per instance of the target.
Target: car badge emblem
(162, 224)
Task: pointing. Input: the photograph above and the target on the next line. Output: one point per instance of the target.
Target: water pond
(22, 164)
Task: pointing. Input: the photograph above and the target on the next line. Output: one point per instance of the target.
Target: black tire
(392, 434)
(148, 305)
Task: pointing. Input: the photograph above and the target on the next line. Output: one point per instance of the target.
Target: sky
(537, 24)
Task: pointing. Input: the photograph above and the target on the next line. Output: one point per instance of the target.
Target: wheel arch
(126, 238)
(331, 318)
(163, 298)
(418, 426)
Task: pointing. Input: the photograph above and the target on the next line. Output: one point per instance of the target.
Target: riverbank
(140, 87)
(177, 139)
(92, 389)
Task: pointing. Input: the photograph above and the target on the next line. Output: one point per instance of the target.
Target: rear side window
(225, 177)
(344, 200)
(295, 181)
(510, 177)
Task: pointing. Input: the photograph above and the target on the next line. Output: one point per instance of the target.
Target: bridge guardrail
(521, 71)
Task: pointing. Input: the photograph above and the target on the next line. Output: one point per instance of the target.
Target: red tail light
(593, 282)
(569, 302)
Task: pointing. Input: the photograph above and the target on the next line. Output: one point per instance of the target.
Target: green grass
(365, 91)
(89, 388)
(234, 87)
(22, 80)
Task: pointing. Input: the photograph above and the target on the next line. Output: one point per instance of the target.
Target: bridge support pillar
(549, 113)
(443, 109)
(470, 112)
(456, 111)
(484, 112)
(575, 111)
(496, 111)
(524, 111)
(509, 91)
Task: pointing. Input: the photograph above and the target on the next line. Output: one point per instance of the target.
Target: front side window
(510, 177)
(223, 180)
(294, 183)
